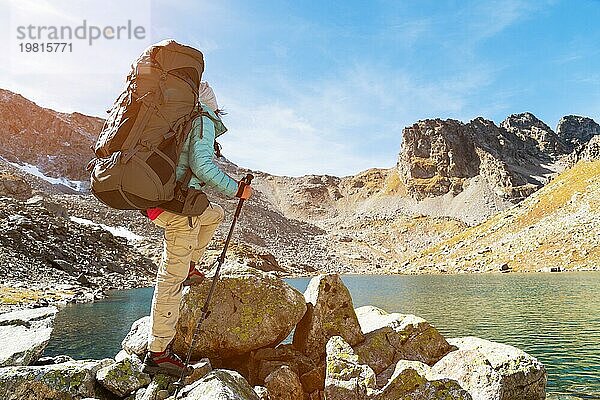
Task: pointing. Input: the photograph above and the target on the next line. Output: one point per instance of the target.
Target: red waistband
(153, 213)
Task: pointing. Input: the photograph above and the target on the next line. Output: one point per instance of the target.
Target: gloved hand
(244, 190)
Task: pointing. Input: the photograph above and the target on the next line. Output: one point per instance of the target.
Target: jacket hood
(220, 128)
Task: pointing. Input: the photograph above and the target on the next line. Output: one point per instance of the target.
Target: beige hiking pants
(182, 244)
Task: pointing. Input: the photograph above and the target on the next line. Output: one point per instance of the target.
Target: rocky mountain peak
(576, 131)
(535, 133)
(512, 160)
(436, 158)
(57, 143)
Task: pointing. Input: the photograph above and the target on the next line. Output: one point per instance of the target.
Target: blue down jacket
(198, 153)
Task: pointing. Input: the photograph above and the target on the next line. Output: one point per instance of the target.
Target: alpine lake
(552, 316)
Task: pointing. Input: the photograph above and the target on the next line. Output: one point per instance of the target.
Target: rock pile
(337, 352)
(44, 248)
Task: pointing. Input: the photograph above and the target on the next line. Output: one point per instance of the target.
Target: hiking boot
(194, 277)
(165, 362)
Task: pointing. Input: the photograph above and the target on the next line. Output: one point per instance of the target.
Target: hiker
(186, 238)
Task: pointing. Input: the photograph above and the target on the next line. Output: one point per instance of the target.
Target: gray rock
(123, 377)
(70, 380)
(284, 384)
(409, 380)
(250, 309)
(407, 383)
(493, 371)
(24, 335)
(219, 384)
(330, 313)
(393, 337)
(136, 341)
(346, 378)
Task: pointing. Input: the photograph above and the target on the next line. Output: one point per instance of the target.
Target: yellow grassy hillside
(558, 226)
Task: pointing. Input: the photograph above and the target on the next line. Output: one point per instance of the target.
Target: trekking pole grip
(248, 179)
(245, 181)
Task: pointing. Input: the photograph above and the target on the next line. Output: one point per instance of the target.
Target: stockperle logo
(75, 36)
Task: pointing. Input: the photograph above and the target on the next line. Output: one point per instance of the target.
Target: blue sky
(326, 87)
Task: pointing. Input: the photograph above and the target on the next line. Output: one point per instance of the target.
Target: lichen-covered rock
(393, 337)
(250, 309)
(346, 378)
(394, 369)
(409, 381)
(330, 313)
(219, 384)
(159, 386)
(284, 384)
(136, 341)
(24, 335)
(493, 371)
(123, 377)
(66, 381)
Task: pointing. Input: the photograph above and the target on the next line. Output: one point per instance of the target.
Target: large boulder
(349, 379)
(409, 381)
(393, 337)
(409, 384)
(136, 341)
(219, 384)
(123, 377)
(330, 313)
(346, 378)
(284, 384)
(493, 371)
(24, 335)
(250, 309)
(66, 381)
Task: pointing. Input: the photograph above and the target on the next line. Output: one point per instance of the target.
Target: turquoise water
(554, 317)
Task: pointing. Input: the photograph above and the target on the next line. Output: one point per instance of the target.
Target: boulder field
(265, 340)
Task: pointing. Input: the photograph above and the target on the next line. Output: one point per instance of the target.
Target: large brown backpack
(138, 148)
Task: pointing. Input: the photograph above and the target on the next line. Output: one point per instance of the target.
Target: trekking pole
(179, 384)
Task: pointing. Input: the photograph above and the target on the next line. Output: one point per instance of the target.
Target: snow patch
(78, 186)
(119, 231)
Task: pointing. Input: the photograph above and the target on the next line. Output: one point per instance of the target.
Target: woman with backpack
(186, 238)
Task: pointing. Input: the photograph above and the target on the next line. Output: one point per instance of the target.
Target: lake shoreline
(19, 295)
(538, 312)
